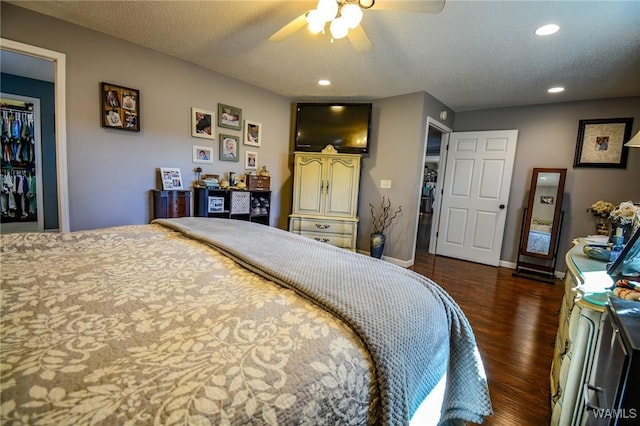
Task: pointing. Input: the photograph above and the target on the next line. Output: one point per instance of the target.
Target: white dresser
(325, 197)
(577, 341)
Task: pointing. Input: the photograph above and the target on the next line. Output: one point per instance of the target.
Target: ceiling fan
(343, 18)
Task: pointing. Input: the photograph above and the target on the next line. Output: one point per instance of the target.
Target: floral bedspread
(140, 325)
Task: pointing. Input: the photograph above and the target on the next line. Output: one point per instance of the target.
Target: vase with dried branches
(381, 220)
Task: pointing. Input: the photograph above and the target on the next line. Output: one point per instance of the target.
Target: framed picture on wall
(601, 143)
(229, 148)
(202, 125)
(252, 133)
(202, 154)
(546, 199)
(119, 107)
(229, 117)
(251, 160)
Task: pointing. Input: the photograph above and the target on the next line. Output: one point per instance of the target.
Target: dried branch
(383, 219)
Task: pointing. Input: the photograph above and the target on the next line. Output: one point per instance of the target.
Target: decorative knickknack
(624, 219)
(381, 221)
(377, 244)
(602, 226)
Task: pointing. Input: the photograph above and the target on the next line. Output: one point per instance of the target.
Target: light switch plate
(385, 183)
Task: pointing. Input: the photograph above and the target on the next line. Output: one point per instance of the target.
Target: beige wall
(398, 143)
(110, 171)
(547, 137)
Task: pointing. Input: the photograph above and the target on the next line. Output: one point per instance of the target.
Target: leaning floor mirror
(543, 212)
(541, 221)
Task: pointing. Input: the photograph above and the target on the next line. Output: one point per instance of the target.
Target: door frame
(431, 122)
(59, 60)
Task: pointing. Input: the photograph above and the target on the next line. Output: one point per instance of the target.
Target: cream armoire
(325, 197)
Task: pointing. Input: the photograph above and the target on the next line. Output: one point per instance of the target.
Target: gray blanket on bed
(413, 329)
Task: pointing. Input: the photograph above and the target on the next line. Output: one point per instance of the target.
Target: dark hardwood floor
(515, 321)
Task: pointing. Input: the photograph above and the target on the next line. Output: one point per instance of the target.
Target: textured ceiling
(472, 55)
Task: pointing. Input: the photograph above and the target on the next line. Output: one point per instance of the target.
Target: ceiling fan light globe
(338, 28)
(352, 14)
(328, 9)
(366, 4)
(315, 21)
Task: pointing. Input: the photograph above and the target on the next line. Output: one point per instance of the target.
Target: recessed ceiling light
(547, 30)
(324, 82)
(556, 89)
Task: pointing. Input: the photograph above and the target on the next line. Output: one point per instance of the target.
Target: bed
(218, 321)
(539, 235)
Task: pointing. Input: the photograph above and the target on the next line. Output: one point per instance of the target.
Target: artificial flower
(625, 213)
(601, 209)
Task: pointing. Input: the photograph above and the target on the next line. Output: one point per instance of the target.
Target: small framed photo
(229, 117)
(546, 199)
(202, 154)
(171, 178)
(202, 125)
(229, 147)
(119, 107)
(215, 204)
(252, 133)
(601, 143)
(251, 160)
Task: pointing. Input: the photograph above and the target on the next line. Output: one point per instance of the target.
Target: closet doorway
(21, 174)
(21, 50)
(433, 172)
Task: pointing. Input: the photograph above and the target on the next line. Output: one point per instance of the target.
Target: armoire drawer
(342, 241)
(299, 225)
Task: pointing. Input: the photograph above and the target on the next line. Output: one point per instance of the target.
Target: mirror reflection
(545, 199)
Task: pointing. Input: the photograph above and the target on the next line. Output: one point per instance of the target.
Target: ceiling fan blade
(289, 28)
(359, 39)
(420, 6)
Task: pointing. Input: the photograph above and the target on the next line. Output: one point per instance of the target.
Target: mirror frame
(556, 214)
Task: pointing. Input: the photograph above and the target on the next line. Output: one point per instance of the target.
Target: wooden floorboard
(515, 320)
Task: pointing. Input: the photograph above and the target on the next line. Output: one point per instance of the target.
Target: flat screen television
(346, 126)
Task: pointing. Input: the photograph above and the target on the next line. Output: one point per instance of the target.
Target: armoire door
(308, 195)
(342, 175)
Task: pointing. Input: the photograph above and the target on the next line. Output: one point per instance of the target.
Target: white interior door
(476, 194)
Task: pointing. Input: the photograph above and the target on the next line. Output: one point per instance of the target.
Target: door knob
(502, 206)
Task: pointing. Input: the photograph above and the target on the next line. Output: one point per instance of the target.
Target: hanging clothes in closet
(18, 158)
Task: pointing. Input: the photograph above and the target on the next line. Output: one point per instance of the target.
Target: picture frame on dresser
(215, 204)
(171, 178)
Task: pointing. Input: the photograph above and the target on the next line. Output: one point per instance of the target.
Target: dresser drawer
(300, 225)
(171, 204)
(342, 241)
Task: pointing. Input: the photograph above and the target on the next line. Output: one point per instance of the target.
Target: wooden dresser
(171, 203)
(578, 337)
(614, 388)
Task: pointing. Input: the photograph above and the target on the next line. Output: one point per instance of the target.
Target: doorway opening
(21, 174)
(428, 189)
(59, 61)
